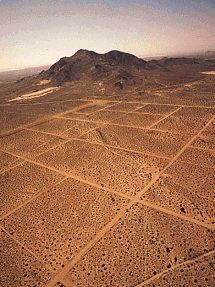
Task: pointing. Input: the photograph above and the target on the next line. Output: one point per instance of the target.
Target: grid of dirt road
(108, 193)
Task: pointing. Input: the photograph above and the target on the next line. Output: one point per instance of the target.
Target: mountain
(117, 67)
(113, 72)
(86, 63)
(175, 61)
(184, 64)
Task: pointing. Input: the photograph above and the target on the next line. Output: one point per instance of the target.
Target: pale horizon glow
(35, 33)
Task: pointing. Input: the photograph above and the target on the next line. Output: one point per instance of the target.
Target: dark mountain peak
(117, 53)
(121, 58)
(84, 53)
(91, 64)
(59, 64)
(113, 57)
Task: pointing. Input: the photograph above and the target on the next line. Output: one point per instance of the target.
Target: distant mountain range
(210, 54)
(15, 75)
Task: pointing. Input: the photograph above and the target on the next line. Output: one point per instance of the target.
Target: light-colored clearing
(37, 94)
(188, 85)
(43, 82)
(209, 73)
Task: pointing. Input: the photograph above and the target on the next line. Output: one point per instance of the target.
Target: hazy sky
(34, 32)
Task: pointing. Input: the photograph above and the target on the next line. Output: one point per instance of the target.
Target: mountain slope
(92, 64)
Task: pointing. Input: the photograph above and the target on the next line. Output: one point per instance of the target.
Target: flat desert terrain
(108, 185)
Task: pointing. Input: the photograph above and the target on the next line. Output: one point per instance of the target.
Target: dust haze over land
(14, 75)
(106, 166)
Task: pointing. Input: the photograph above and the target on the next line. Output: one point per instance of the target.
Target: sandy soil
(108, 189)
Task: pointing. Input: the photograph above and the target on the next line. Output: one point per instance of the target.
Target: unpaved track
(44, 120)
(121, 213)
(175, 267)
(104, 230)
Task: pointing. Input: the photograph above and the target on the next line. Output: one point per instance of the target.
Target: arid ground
(108, 182)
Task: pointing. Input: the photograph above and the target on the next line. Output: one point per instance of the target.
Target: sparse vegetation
(107, 179)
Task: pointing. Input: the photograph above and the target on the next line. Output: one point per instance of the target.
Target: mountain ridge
(93, 64)
(115, 70)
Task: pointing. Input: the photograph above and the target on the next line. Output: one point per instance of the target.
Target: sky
(35, 32)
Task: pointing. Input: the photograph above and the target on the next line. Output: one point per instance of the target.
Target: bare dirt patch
(33, 95)
(209, 73)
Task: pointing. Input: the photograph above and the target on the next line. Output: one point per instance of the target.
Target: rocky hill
(117, 67)
(113, 72)
(94, 65)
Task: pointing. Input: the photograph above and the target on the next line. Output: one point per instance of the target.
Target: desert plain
(107, 178)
